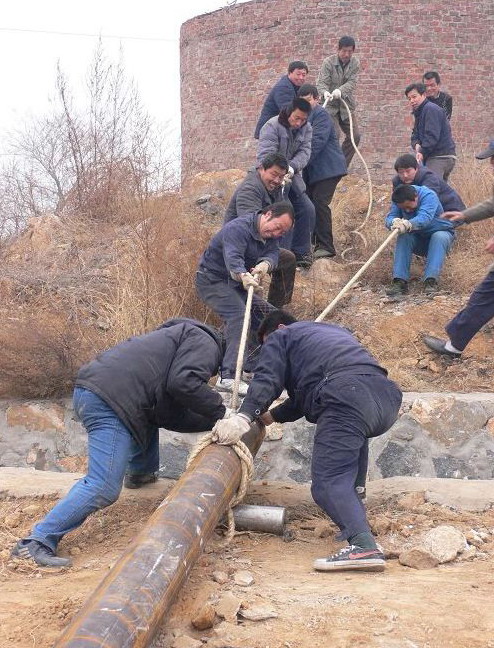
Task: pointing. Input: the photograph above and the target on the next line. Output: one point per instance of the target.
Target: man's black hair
(274, 159)
(402, 193)
(271, 322)
(419, 87)
(286, 111)
(432, 75)
(279, 208)
(297, 65)
(346, 41)
(406, 161)
(308, 89)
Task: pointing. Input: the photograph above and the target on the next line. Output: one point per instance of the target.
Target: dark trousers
(347, 146)
(298, 239)
(352, 409)
(478, 311)
(228, 301)
(321, 193)
(441, 166)
(283, 279)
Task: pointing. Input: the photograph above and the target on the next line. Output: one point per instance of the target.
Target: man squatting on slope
(333, 381)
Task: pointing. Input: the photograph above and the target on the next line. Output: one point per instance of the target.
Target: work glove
(336, 94)
(403, 225)
(261, 269)
(327, 96)
(228, 412)
(228, 431)
(248, 280)
(289, 174)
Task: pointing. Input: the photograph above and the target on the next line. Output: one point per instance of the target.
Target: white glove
(248, 280)
(228, 431)
(327, 96)
(336, 94)
(228, 412)
(261, 269)
(289, 174)
(403, 225)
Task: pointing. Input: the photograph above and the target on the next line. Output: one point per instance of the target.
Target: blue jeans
(432, 246)
(111, 451)
(228, 301)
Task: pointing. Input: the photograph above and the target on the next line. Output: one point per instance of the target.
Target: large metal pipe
(129, 605)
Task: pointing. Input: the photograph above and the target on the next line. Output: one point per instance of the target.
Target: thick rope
(247, 465)
(356, 231)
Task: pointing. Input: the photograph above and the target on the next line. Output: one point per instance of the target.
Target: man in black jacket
(409, 171)
(334, 382)
(159, 379)
(432, 82)
(262, 187)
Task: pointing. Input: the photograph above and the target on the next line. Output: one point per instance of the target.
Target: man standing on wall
(282, 93)
(324, 170)
(337, 79)
(431, 135)
(480, 307)
(262, 187)
(432, 81)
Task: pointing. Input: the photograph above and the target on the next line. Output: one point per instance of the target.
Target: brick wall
(232, 57)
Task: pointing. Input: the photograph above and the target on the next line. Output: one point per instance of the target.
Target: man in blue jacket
(409, 171)
(431, 135)
(262, 187)
(333, 381)
(324, 170)
(282, 93)
(159, 379)
(416, 214)
(243, 252)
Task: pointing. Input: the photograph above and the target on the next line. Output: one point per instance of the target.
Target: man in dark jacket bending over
(122, 397)
(334, 382)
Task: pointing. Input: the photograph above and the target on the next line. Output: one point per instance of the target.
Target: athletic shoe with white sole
(352, 557)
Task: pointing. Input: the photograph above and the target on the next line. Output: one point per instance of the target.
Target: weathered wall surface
(437, 435)
(232, 57)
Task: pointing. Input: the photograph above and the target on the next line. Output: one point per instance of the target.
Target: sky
(35, 35)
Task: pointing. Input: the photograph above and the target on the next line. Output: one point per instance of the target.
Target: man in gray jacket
(262, 187)
(480, 307)
(290, 134)
(337, 80)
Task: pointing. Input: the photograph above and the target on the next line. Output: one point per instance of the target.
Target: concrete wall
(437, 435)
(232, 57)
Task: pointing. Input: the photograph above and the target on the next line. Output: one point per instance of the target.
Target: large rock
(444, 542)
(418, 558)
(36, 416)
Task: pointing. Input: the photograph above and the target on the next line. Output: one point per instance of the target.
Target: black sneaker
(439, 346)
(397, 288)
(304, 261)
(352, 557)
(39, 553)
(431, 286)
(136, 481)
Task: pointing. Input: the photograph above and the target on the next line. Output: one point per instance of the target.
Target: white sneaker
(226, 385)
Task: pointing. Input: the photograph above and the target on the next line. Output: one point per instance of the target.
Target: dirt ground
(401, 608)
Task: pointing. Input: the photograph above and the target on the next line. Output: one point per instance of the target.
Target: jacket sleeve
(321, 130)
(348, 88)
(234, 245)
(283, 94)
(394, 212)
(196, 359)
(480, 212)
(432, 132)
(286, 412)
(301, 157)
(427, 210)
(249, 199)
(269, 378)
(325, 78)
(449, 106)
(268, 141)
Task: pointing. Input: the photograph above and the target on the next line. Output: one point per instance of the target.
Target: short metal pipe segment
(129, 605)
